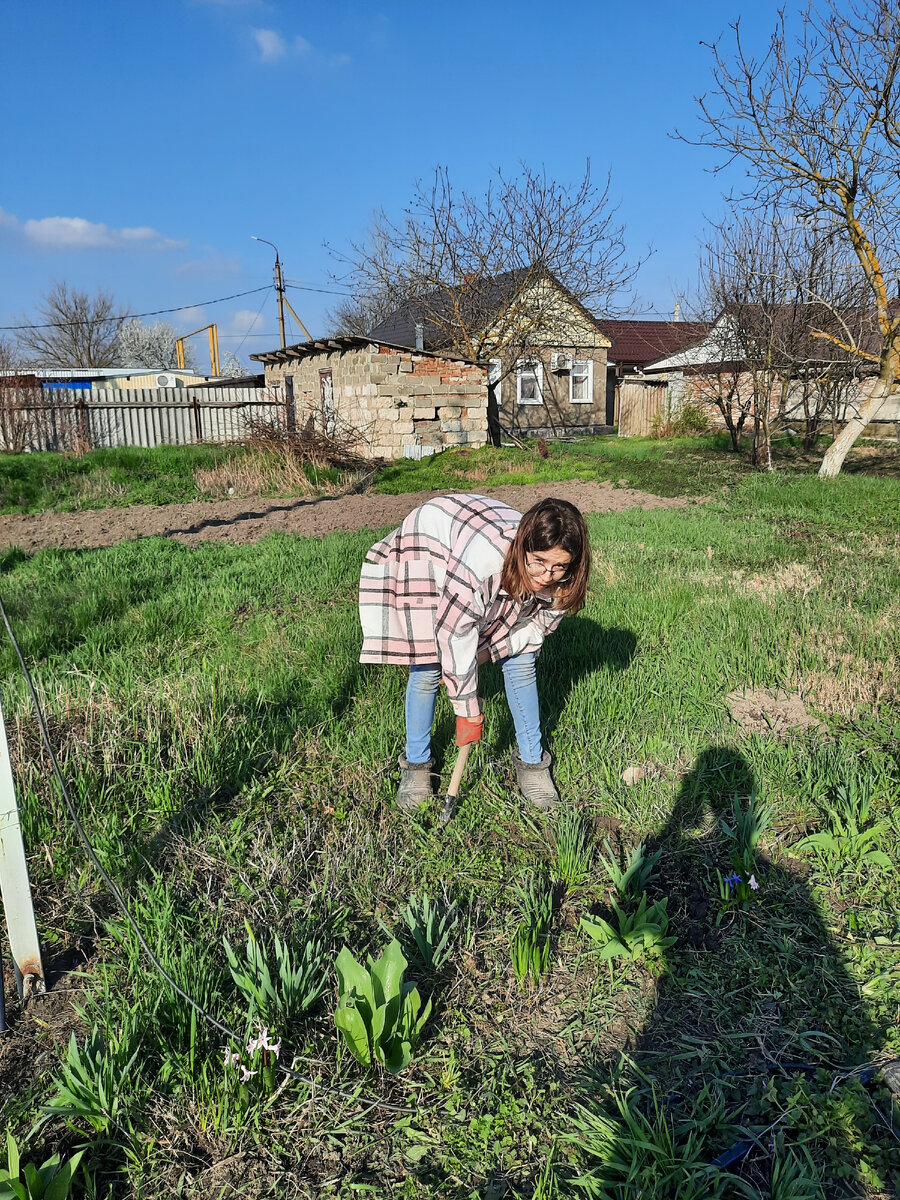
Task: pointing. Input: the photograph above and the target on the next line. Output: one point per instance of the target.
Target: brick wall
(402, 402)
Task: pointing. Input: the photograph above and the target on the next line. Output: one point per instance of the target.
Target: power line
(302, 287)
(157, 312)
(123, 907)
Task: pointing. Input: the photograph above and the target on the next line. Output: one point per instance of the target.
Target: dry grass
(267, 473)
(792, 577)
(850, 683)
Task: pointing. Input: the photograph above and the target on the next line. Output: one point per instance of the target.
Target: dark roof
(640, 342)
(344, 342)
(480, 304)
(233, 381)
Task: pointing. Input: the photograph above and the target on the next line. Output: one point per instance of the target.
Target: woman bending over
(463, 580)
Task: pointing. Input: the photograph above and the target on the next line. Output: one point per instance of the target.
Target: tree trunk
(840, 447)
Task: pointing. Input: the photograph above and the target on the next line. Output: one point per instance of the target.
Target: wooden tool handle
(459, 767)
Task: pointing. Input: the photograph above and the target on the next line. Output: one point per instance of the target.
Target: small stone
(632, 775)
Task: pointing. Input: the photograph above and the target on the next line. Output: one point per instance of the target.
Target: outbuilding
(403, 403)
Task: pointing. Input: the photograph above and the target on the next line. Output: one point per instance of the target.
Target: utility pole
(279, 286)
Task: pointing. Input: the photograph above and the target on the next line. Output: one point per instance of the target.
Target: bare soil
(244, 521)
(770, 712)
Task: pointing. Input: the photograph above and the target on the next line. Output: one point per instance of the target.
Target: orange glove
(468, 729)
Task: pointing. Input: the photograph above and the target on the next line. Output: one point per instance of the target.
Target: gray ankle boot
(535, 782)
(415, 784)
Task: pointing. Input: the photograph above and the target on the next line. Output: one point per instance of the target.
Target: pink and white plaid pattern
(430, 593)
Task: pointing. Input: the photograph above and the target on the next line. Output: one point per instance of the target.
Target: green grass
(233, 762)
(117, 478)
(698, 466)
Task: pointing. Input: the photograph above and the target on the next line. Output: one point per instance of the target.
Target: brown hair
(549, 525)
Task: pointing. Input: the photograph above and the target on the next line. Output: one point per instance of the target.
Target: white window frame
(589, 362)
(495, 378)
(523, 364)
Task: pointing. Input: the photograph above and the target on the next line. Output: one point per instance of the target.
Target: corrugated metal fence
(91, 420)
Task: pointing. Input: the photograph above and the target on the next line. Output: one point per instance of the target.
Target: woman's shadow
(580, 647)
(753, 992)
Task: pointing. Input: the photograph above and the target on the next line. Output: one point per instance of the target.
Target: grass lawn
(235, 768)
(699, 466)
(133, 475)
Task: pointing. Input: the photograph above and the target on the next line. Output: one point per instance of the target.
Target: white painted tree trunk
(840, 447)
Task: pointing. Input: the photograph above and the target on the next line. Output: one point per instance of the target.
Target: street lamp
(279, 286)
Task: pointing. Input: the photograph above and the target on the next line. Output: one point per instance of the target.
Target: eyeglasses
(535, 567)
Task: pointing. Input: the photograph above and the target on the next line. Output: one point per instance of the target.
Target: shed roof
(342, 343)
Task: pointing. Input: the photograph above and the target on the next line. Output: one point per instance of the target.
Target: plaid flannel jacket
(430, 593)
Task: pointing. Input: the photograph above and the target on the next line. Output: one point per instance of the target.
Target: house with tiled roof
(544, 352)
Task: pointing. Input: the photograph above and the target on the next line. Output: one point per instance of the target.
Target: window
(529, 381)
(495, 375)
(581, 382)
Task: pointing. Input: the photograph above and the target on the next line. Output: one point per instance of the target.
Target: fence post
(289, 417)
(15, 888)
(84, 429)
(198, 421)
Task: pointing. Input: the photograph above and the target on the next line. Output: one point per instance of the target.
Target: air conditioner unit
(560, 362)
(167, 381)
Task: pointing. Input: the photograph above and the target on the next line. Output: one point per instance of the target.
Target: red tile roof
(637, 343)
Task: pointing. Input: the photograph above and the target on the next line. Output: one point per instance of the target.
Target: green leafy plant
(288, 990)
(433, 927)
(632, 878)
(51, 1181)
(574, 849)
(632, 1153)
(379, 1014)
(633, 936)
(794, 1177)
(529, 948)
(853, 835)
(94, 1083)
(745, 829)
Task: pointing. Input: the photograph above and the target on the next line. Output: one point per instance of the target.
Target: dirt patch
(765, 711)
(239, 522)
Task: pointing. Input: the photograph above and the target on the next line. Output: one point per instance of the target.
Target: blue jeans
(520, 682)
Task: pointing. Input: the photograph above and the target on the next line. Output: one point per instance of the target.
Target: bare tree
(476, 271)
(151, 345)
(769, 285)
(358, 314)
(72, 329)
(817, 121)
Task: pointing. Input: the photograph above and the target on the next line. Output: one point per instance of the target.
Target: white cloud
(245, 321)
(77, 233)
(271, 45)
(192, 318)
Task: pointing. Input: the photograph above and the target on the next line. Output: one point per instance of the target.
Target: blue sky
(145, 142)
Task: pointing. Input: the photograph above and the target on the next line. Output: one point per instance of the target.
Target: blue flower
(732, 879)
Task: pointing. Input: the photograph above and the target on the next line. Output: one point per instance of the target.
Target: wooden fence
(640, 401)
(62, 419)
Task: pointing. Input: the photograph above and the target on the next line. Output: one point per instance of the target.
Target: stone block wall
(405, 404)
